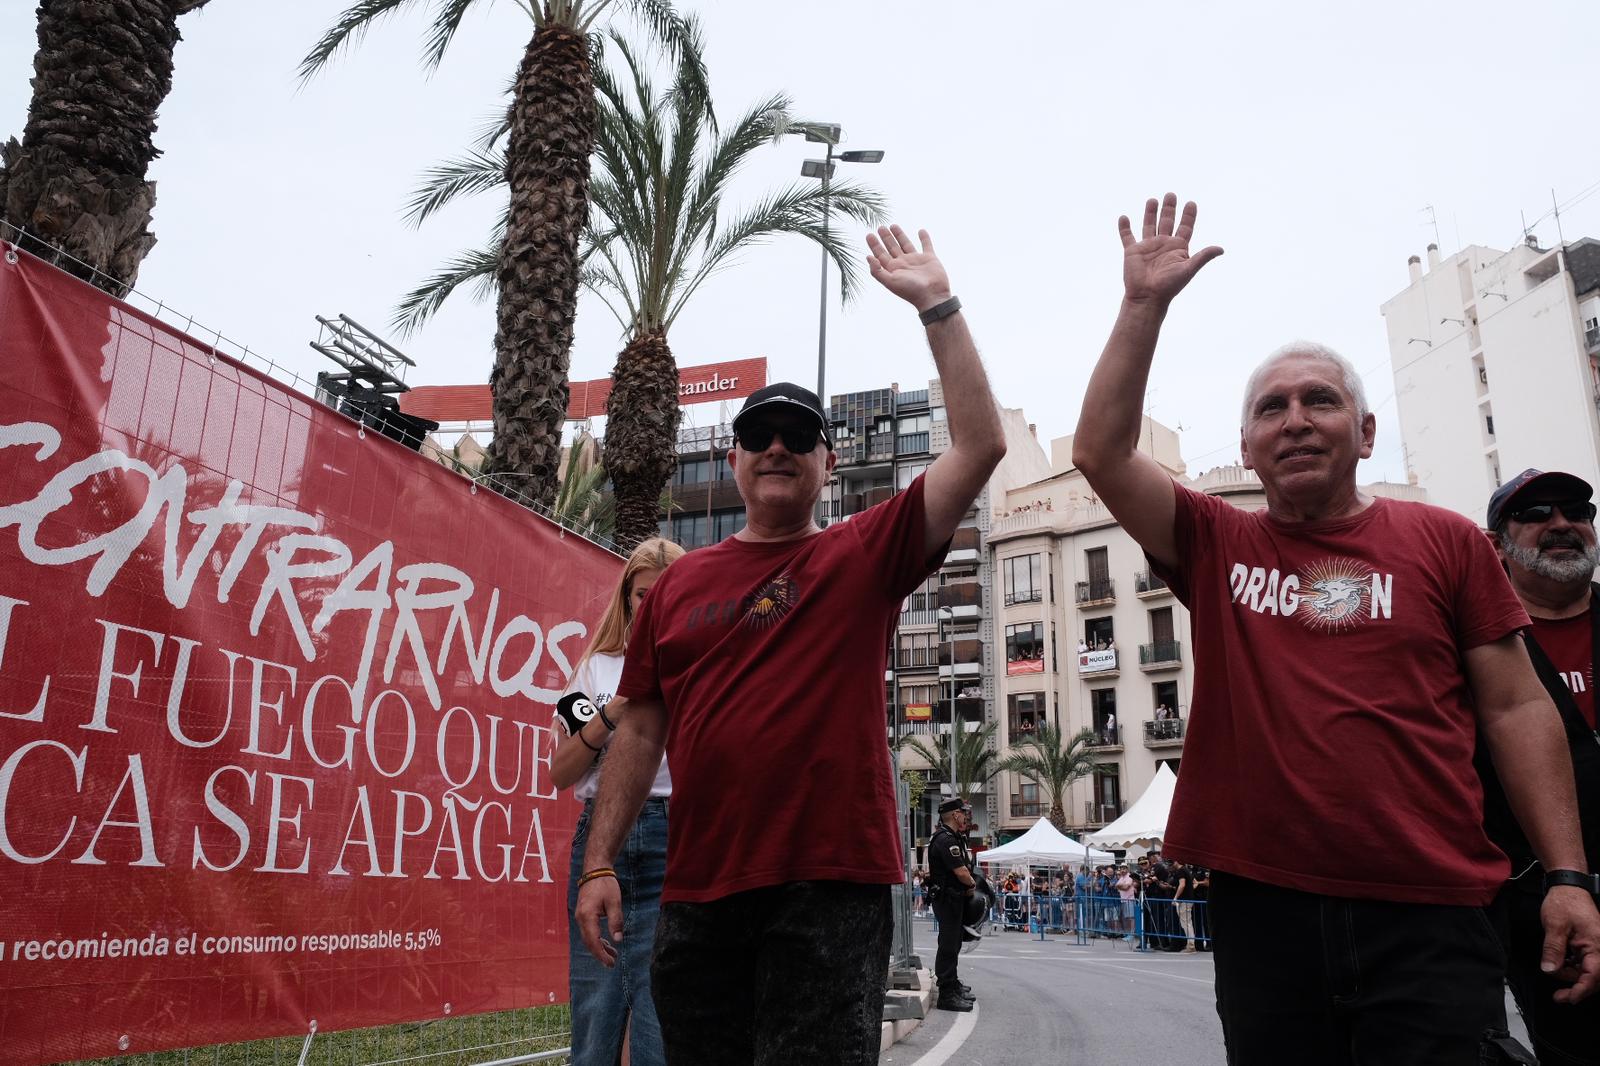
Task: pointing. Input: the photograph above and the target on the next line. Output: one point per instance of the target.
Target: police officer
(950, 874)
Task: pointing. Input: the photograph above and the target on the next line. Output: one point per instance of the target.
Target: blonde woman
(612, 1011)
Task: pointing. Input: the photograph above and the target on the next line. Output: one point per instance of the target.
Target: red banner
(274, 704)
(1025, 666)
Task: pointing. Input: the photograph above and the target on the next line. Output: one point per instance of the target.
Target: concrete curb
(896, 1031)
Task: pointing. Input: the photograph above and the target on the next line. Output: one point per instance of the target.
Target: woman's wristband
(595, 875)
(606, 721)
(586, 743)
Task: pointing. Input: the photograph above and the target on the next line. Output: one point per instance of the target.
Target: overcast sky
(1313, 141)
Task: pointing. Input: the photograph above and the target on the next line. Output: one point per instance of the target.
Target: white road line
(951, 1042)
(1157, 973)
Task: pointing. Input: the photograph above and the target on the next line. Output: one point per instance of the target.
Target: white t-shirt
(597, 678)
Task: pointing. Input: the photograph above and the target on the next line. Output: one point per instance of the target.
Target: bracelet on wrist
(606, 720)
(596, 874)
(1590, 883)
(940, 310)
(588, 745)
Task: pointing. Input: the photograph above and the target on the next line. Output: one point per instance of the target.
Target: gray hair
(1347, 373)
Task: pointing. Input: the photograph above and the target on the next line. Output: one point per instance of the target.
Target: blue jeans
(604, 1002)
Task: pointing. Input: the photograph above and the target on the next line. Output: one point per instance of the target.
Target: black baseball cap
(1570, 486)
(785, 396)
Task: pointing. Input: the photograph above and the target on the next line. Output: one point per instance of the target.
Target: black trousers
(1564, 1034)
(772, 976)
(948, 910)
(1324, 981)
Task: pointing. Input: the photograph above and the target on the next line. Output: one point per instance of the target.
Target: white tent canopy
(1145, 822)
(1044, 844)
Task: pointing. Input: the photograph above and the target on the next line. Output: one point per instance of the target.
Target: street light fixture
(944, 613)
(829, 134)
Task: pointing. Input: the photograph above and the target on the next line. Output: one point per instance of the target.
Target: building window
(1164, 700)
(1099, 634)
(1026, 713)
(918, 650)
(1023, 584)
(693, 471)
(1103, 702)
(914, 424)
(1025, 648)
(728, 523)
(907, 473)
(691, 530)
(1107, 804)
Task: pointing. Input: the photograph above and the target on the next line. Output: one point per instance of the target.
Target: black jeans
(949, 910)
(1322, 981)
(790, 973)
(1564, 1034)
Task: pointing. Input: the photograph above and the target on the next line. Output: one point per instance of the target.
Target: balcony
(1165, 732)
(964, 547)
(1148, 584)
(1101, 813)
(1098, 591)
(911, 443)
(964, 598)
(1160, 655)
(1107, 738)
(1028, 808)
(1024, 596)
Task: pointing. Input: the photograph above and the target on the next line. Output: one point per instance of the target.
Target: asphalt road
(1057, 1001)
(1060, 1002)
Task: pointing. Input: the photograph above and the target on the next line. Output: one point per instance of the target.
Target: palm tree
(550, 136)
(1053, 766)
(661, 232)
(976, 761)
(582, 502)
(76, 181)
(657, 235)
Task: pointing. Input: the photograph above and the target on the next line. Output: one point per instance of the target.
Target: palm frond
(446, 182)
(346, 32)
(446, 21)
(475, 267)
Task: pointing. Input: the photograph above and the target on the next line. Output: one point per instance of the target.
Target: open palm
(1158, 265)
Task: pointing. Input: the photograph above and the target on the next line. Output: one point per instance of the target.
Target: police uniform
(947, 853)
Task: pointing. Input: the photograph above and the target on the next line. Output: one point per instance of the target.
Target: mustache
(1561, 539)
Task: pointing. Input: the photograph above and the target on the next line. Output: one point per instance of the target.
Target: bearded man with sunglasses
(1543, 524)
(758, 664)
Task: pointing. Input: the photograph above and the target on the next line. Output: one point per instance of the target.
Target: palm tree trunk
(77, 179)
(1058, 815)
(547, 169)
(642, 416)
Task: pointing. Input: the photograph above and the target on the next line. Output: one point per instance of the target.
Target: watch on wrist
(1590, 883)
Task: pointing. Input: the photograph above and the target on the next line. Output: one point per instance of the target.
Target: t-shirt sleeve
(641, 678)
(893, 533)
(1193, 521)
(1486, 607)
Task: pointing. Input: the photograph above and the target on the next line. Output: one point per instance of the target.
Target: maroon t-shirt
(1332, 728)
(770, 660)
(1567, 642)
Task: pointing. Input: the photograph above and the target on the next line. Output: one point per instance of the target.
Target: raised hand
(916, 277)
(1157, 266)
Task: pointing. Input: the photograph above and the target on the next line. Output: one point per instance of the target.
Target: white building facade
(1496, 359)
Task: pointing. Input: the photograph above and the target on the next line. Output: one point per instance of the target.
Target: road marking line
(951, 1042)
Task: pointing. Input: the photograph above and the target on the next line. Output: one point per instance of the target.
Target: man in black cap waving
(950, 871)
(758, 664)
(1544, 524)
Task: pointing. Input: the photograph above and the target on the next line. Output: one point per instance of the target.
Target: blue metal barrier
(1149, 923)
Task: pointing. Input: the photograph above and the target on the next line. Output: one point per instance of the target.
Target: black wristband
(588, 745)
(607, 722)
(938, 311)
(1590, 883)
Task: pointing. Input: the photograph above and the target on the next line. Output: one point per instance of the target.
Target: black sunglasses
(799, 440)
(1541, 512)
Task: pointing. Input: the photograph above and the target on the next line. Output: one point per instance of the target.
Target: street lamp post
(829, 134)
(945, 612)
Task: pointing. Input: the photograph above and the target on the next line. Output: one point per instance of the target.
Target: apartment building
(1496, 359)
(942, 661)
(1089, 637)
